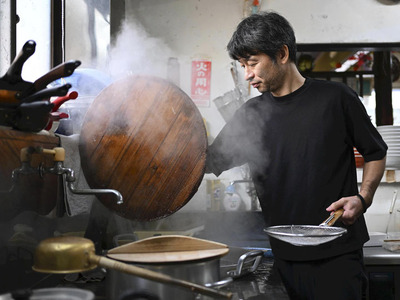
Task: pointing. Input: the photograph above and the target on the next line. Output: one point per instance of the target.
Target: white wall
(338, 21)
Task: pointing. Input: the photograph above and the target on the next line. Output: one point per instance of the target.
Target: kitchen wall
(338, 21)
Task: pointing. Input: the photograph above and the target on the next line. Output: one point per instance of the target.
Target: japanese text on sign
(201, 82)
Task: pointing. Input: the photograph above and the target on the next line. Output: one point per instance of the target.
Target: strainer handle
(333, 218)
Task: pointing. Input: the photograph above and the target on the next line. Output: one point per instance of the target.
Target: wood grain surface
(171, 248)
(144, 137)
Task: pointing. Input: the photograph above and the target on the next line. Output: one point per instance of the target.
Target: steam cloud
(137, 53)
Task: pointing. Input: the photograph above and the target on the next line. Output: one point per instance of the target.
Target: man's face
(263, 73)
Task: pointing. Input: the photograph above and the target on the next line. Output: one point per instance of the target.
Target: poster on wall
(201, 82)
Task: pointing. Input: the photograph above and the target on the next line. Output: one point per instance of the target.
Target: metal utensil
(12, 83)
(47, 93)
(75, 254)
(12, 79)
(33, 116)
(61, 100)
(55, 115)
(392, 204)
(308, 235)
(63, 70)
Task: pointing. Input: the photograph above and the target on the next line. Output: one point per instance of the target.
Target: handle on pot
(257, 254)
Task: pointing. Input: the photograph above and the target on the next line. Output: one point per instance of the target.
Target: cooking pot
(50, 293)
(185, 258)
(200, 272)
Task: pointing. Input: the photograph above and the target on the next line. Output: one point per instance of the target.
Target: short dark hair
(264, 32)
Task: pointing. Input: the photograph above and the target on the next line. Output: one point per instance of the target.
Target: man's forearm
(372, 175)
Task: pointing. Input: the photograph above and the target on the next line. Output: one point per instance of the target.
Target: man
(298, 138)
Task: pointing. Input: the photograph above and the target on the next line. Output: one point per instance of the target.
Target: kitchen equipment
(164, 249)
(47, 93)
(63, 70)
(33, 192)
(392, 239)
(13, 74)
(88, 83)
(55, 117)
(391, 136)
(183, 257)
(391, 208)
(247, 263)
(17, 109)
(12, 83)
(58, 154)
(76, 110)
(57, 293)
(144, 137)
(55, 114)
(31, 117)
(308, 235)
(61, 100)
(228, 103)
(232, 200)
(75, 254)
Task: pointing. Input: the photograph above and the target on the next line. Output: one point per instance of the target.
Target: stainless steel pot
(57, 293)
(205, 272)
(200, 272)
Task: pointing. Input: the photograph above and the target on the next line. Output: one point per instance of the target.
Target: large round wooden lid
(144, 137)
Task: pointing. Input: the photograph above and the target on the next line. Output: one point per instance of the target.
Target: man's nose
(248, 74)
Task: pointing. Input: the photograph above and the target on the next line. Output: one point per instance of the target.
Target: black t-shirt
(299, 148)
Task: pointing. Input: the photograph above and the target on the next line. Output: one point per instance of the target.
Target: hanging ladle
(76, 254)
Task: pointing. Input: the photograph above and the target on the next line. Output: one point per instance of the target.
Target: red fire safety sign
(201, 82)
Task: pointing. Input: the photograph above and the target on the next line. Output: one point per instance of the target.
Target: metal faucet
(57, 169)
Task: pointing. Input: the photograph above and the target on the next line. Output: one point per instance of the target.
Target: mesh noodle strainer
(308, 235)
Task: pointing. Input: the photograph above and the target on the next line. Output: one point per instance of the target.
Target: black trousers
(338, 278)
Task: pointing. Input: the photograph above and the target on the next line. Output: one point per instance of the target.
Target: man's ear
(283, 54)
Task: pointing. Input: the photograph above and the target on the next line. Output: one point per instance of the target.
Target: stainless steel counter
(383, 272)
(380, 256)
